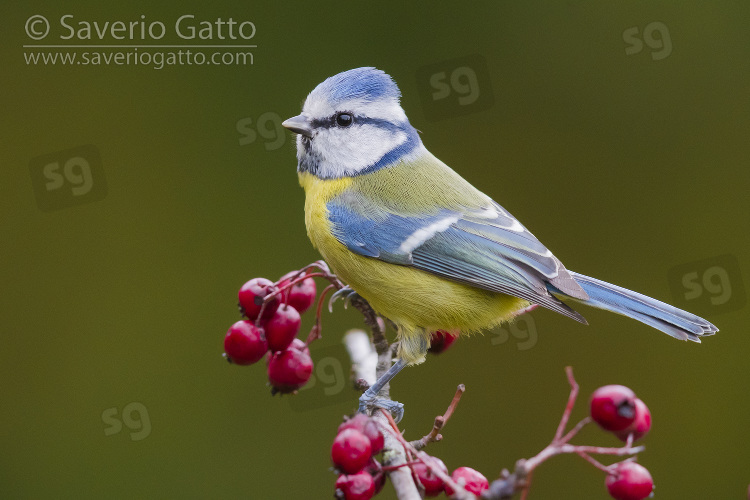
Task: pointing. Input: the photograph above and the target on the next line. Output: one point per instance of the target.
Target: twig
(594, 462)
(440, 421)
(575, 429)
(552, 450)
(315, 330)
(568, 407)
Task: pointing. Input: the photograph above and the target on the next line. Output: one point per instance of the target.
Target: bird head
(351, 124)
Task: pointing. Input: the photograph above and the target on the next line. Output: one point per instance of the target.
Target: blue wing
(489, 249)
(486, 248)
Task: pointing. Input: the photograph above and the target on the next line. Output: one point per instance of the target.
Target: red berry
(629, 481)
(251, 297)
(282, 327)
(369, 428)
(471, 480)
(440, 341)
(433, 485)
(244, 343)
(360, 486)
(613, 407)
(301, 295)
(641, 424)
(351, 451)
(299, 345)
(289, 370)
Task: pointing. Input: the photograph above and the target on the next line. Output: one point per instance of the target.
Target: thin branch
(440, 421)
(315, 330)
(594, 462)
(569, 406)
(552, 450)
(570, 435)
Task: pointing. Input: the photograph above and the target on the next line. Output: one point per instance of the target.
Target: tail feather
(669, 319)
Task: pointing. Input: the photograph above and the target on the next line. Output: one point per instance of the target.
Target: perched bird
(424, 247)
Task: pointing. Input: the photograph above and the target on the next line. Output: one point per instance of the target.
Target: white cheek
(349, 151)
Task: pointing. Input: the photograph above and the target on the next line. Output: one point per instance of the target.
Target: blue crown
(369, 84)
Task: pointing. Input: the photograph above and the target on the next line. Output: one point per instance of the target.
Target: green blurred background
(617, 133)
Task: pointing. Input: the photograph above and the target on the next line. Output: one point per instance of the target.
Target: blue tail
(670, 320)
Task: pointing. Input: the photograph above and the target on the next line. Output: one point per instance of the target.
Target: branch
(440, 421)
(363, 356)
(372, 320)
(394, 453)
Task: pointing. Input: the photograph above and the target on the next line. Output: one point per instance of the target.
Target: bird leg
(370, 398)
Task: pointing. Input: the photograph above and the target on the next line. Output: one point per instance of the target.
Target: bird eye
(344, 119)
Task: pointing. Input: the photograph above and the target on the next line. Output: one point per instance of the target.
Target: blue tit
(424, 247)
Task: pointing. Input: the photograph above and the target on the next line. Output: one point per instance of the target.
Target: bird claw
(395, 408)
(348, 295)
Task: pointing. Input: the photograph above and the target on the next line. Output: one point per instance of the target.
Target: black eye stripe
(330, 122)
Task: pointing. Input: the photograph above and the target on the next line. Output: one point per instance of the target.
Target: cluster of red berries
(471, 480)
(273, 321)
(361, 476)
(616, 409)
(353, 454)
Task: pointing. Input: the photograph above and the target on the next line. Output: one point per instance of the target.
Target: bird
(424, 247)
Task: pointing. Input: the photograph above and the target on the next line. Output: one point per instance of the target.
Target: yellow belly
(417, 301)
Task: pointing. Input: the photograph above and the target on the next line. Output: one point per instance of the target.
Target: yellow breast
(318, 192)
